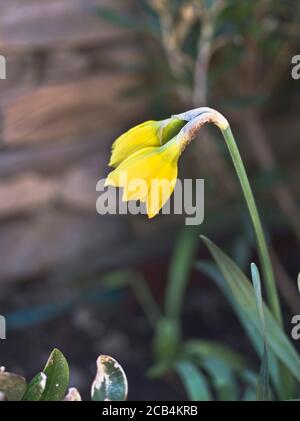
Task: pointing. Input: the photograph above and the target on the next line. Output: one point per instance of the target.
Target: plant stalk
(196, 119)
(264, 256)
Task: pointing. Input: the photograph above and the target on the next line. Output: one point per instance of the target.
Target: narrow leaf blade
(242, 291)
(263, 392)
(193, 381)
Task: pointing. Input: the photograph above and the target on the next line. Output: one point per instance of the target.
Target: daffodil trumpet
(150, 152)
(148, 134)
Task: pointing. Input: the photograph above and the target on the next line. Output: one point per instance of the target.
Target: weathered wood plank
(75, 188)
(32, 246)
(53, 157)
(26, 193)
(53, 25)
(69, 110)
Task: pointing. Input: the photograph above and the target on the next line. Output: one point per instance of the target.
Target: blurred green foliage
(248, 40)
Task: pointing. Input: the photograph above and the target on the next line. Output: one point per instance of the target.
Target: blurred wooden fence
(60, 107)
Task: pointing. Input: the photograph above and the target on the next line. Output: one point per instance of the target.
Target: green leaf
(36, 388)
(254, 335)
(258, 296)
(167, 340)
(222, 378)
(12, 385)
(202, 349)
(160, 369)
(241, 290)
(110, 383)
(263, 392)
(180, 269)
(57, 372)
(250, 380)
(249, 395)
(221, 363)
(194, 381)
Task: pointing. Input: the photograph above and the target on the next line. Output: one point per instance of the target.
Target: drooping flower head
(146, 157)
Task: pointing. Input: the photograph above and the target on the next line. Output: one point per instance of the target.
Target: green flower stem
(264, 256)
(196, 119)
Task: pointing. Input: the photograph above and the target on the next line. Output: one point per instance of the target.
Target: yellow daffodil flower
(149, 134)
(148, 175)
(145, 158)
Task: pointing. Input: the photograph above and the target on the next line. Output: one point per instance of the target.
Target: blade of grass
(222, 378)
(250, 379)
(194, 381)
(220, 362)
(254, 335)
(210, 269)
(263, 386)
(241, 290)
(203, 349)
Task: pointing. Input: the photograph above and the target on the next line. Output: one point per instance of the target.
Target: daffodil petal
(161, 189)
(136, 190)
(137, 173)
(139, 137)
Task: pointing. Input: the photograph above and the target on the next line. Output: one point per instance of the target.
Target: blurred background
(79, 73)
